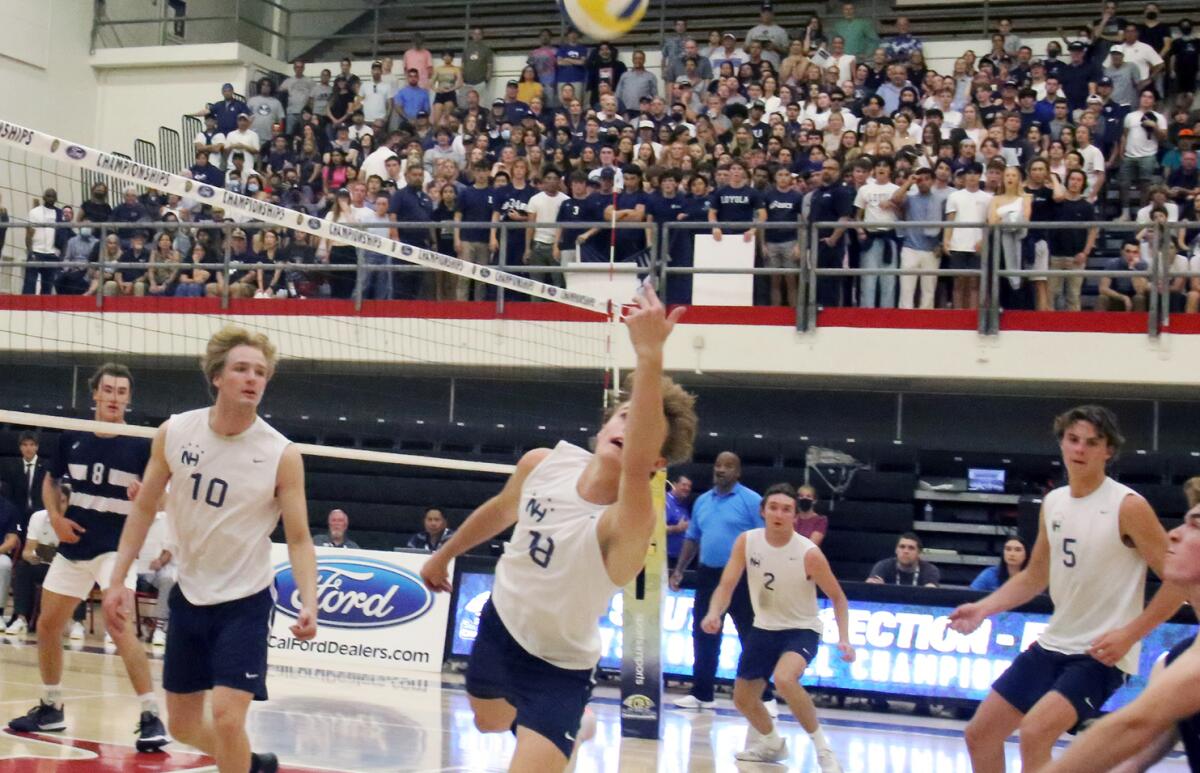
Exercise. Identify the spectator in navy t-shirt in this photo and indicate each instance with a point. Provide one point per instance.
(630, 206)
(781, 246)
(572, 64)
(227, 110)
(205, 173)
(574, 210)
(475, 205)
(737, 202)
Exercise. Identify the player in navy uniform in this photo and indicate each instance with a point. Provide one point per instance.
(784, 570)
(1168, 710)
(583, 523)
(232, 475)
(1095, 539)
(781, 246)
(103, 472)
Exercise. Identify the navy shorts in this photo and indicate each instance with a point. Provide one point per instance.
(764, 648)
(218, 645)
(1081, 679)
(549, 700)
(963, 261)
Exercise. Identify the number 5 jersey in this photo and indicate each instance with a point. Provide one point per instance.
(1097, 582)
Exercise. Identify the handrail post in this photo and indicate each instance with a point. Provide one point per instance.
(502, 261)
(100, 275)
(985, 259)
(359, 260)
(811, 307)
(1159, 305)
(663, 247)
(227, 283)
(993, 327)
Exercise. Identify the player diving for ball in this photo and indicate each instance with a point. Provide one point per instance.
(784, 571)
(583, 523)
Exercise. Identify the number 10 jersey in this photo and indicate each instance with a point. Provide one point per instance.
(551, 584)
(222, 507)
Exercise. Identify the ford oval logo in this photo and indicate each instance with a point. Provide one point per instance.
(357, 593)
(76, 152)
(205, 192)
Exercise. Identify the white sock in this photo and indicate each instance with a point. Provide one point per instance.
(52, 694)
(149, 703)
(820, 742)
(772, 737)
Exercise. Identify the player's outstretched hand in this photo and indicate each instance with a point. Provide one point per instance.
(118, 600)
(846, 651)
(649, 323)
(305, 626)
(1112, 646)
(711, 623)
(67, 530)
(435, 575)
(132, 491)
(966, 618)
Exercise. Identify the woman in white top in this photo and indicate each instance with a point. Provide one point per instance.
(971, 124)
(1011, 205)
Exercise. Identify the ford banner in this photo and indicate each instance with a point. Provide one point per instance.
(373, 611)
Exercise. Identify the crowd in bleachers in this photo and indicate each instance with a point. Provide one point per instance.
(841, 121)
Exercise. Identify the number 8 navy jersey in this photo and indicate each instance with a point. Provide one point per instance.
(99, 471)
(551, 584)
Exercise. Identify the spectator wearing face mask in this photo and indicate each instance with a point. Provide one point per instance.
(809, 523)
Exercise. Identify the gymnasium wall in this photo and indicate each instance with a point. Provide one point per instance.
(334, 405)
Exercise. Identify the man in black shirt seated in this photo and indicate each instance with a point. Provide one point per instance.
(907, 568)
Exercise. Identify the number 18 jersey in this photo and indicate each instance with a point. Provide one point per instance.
(551, 585)
(221, 506)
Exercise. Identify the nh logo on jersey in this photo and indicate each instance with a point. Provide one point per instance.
(754, 561)
(190, 455)
(535, 510)
(1055, 525)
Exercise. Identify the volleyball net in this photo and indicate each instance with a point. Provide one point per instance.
(568, 334)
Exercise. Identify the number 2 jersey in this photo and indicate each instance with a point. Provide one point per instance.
(551, 585)
(1097, 582)
(783, 595)
(221, 506)
(99, 471)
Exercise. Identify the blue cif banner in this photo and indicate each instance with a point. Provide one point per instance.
(357, 593)
(903, 649)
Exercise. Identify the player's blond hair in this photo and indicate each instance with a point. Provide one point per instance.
(679, 407)
(1191, 490)
(225, 340)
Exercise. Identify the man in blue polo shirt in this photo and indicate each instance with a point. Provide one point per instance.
(718, 517)
(227, 110)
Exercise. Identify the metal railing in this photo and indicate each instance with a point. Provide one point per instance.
(656, 259)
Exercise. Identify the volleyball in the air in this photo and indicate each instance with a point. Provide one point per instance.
(604, 19)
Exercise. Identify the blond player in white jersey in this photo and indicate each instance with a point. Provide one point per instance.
(1095, 539)
(583, 523)
(231, 475)
(783, 571)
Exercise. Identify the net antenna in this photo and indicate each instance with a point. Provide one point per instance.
(836, 469)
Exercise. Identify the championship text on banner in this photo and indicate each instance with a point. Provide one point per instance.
(373, 611)
(83, 157)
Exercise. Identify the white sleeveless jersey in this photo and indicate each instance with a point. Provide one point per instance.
(221, 506)
(551, 586)
(1097, 582)
(783, 595)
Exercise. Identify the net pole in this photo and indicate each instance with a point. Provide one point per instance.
(641, 631)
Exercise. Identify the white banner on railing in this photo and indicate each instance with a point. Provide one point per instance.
(82, 157)
(373, 612)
